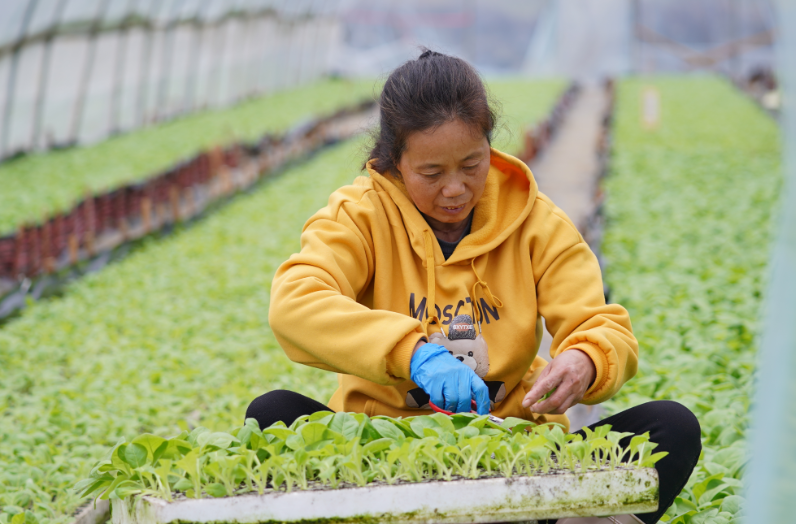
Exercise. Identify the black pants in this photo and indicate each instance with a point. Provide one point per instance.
(671, 425)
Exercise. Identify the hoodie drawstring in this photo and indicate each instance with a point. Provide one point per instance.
(493, 300)
(430, 267)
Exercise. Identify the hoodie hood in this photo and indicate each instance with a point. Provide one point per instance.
(508, 198)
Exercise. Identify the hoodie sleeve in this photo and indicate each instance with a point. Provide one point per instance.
(314, 312)
(571, 299)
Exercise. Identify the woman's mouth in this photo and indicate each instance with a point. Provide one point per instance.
(453, 209)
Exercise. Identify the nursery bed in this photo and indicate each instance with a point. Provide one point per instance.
(621, 491)
(38, 186)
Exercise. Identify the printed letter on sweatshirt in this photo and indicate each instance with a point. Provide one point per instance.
(486, 310)
(421, 308)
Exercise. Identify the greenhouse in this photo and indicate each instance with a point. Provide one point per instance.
(425, 262)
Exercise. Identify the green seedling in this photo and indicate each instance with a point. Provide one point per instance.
(548, 394)
(313, 452)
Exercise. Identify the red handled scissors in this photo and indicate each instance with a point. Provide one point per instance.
(474, 406)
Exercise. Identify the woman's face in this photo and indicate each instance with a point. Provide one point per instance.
(444, 170)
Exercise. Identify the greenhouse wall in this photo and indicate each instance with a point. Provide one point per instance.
(771, 482)
(76, 71)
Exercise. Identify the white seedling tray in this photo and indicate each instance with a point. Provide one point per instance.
(597, 493)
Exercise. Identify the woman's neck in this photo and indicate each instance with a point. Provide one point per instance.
(448, 232)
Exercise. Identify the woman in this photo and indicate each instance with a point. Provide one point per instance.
(442, 227)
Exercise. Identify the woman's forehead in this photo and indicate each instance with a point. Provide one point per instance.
(451, 141)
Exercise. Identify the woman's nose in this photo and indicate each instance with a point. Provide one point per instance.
(453, 189)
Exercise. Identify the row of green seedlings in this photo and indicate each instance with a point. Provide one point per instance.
(335, 450)
(102, 222)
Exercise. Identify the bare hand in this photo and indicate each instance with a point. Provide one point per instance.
(571, 373)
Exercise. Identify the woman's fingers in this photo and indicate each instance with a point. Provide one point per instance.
(536, 391)
(568, 393)
(552, 403)
(565, 405)
(568, 390)
(570, 373)
(547, 381)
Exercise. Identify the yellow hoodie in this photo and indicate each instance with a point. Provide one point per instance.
(371, 281)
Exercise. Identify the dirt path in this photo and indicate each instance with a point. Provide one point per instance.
(568, 173)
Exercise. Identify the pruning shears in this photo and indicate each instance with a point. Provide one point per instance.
(473, 405)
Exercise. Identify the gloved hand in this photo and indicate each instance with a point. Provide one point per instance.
(450, 384)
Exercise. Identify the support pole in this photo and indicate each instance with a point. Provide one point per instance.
(217, 70)
(12, 77)
(271, 36)
(118, 72)
(88, 67)
(44, 73)
(168, 54)
(192, 74)
(143, 71)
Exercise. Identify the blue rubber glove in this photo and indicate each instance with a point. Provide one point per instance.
(450, 384)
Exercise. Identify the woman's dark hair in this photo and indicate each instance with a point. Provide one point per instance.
(426, 93)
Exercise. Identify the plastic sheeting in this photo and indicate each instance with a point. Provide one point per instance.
(771, 477)
(577, 38)
(75, 71)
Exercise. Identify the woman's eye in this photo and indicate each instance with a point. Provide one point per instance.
(471, 167)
